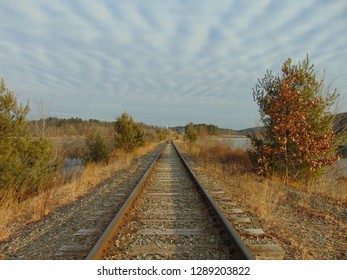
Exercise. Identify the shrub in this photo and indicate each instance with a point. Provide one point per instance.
(191, 132)
(99, 149)
(128, 134)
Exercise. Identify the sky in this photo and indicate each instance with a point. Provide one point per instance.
(166, 63)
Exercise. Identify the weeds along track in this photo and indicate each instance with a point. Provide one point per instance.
(169, 215)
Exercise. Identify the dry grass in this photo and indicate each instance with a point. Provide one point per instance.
(14, 215)
(235, 162)
(234, 166)
(332, 184)
(309, 220)
(221, 156)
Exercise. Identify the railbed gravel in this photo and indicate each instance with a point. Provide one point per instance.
(189, 208)
(43, 239)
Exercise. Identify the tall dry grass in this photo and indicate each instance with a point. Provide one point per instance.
(235, 161)
(234, 168)
(331, 184)
(219, 155)
(57, 192)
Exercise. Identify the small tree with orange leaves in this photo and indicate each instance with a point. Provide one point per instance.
(299, 139)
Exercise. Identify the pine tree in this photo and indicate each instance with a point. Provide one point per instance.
(128, 134)
(99, 150)
(24, 160)
(299, 138)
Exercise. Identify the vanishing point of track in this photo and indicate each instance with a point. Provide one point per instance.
(169, 215)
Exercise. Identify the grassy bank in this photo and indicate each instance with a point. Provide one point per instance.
(61, 191)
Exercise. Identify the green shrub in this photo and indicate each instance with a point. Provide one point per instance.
(98, 148)
(128, 134)
(191, 132)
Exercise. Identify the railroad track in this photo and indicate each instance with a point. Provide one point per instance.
(169, 215)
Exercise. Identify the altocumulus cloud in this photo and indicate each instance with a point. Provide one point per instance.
(165, 62)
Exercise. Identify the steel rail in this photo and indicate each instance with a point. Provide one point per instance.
(234, 237)
(112, 229)
(241, 250)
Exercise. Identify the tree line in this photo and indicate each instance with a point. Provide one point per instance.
(193, 131)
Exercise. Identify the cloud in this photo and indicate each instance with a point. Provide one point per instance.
(163, 61)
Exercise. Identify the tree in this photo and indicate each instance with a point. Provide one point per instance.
(161, 133)
(191, 132)
(40, 125)
(299, 138)
(98, 147)
(128, 134)
(24, 160)
(212, 129)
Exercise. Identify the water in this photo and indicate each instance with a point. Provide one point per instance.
(236, 142)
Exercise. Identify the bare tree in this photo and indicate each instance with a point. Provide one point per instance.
(43, 112)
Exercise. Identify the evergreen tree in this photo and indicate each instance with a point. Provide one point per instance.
(128, 134)
(24, 160)
(99, 149)
(299, 138)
